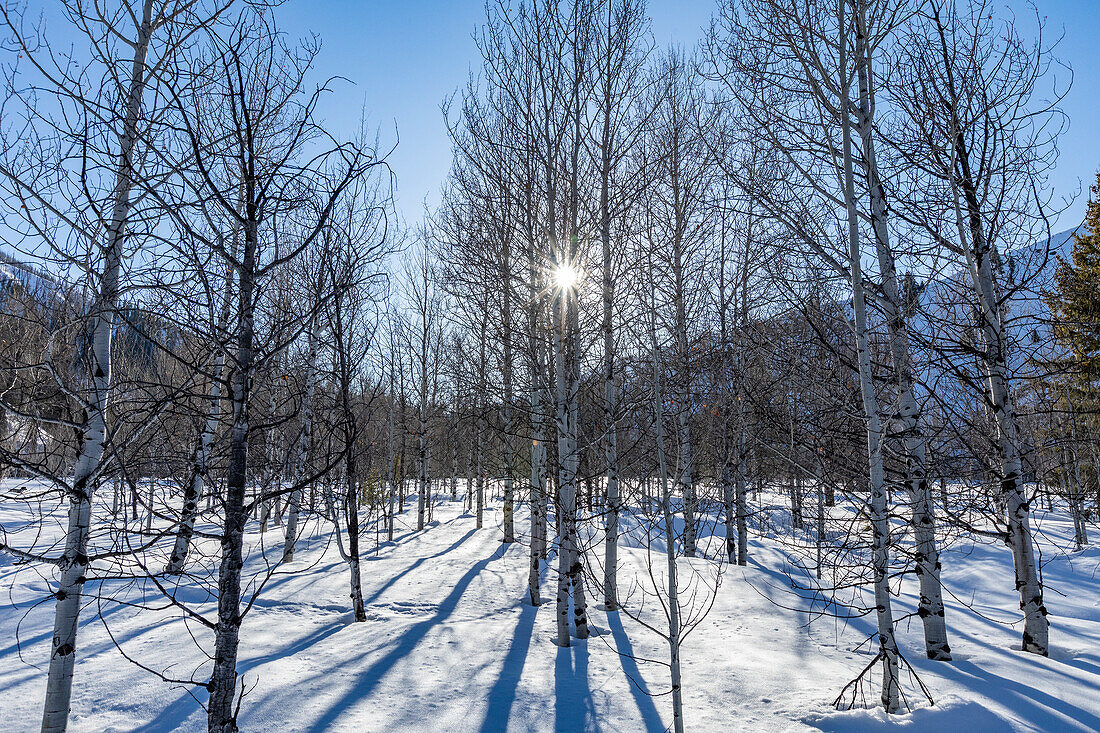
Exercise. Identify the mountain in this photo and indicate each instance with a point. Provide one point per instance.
(17, 277)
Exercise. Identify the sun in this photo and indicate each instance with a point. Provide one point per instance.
(566, 277)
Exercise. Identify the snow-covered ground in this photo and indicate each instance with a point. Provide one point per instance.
(449, 645)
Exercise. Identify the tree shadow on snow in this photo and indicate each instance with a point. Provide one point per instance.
(408, 641)
(1038, 708)
(503, 694)
(573, 706)
(174, 715)
(420, 561)
(638, 687)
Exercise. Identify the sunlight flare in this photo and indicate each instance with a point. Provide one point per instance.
(566, 277)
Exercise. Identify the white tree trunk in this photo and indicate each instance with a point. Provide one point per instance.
(301, 454)
(538, 507)
(673, 607)
(74, 560)
(199, 466)
(888, 653)
(610, 394)
(538, 431)
(995, 363)
(930, 609)
(569, 562)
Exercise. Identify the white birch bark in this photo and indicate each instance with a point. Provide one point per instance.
(538, 509)
(301, 453)
(878, 510)
(908, 417)
(998, 384)
(610, 396)
(569, 562)
(199, 468)
(673, 607)
(538, 439)
(74, 560)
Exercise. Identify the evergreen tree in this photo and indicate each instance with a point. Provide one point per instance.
(1075, 301)
(1075, 316)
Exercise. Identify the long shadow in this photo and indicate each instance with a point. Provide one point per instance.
(174, 715)
(503, 695)
(573, 706)
(1040, 708)
(368, 556)
(317, 574)
(1054, 666)
(1081, 664)
(21, 644)
(816, 600)
(291, 574)
(370, 677)
(389, 583)
(638, 687)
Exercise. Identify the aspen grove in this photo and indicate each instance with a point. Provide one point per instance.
(744, 382)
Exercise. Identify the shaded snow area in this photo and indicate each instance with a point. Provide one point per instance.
(449, 644)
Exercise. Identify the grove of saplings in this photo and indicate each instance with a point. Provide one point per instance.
(796, 260)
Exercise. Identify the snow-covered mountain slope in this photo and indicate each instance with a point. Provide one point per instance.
(17, 274)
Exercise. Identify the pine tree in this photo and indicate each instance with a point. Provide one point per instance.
(1075, 301)
(1075, 314)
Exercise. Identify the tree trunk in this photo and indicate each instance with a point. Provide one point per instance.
(670, 544)
(994, 362)
(351, 510)
(888, 652)
(192, 493)
(74, 560)
(302, 452)
(506, 409)
(221, 714)
(422, 479)
(391, 468)
(569, 562)
(914, 449)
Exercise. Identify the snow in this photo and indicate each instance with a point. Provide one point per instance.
(450, 645)
(43, 287)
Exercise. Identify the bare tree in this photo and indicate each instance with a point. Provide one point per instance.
(968, 86)
(95, 152)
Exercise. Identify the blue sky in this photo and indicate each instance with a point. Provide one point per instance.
(404, 57)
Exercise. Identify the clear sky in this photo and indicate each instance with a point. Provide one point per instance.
(403, 57)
